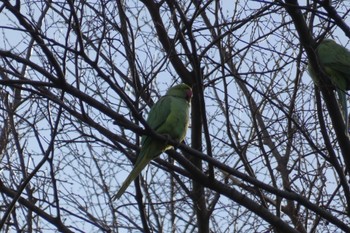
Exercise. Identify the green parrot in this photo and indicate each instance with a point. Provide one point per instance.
(170, 117)
(335, 60)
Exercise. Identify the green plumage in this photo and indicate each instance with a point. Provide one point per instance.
(335, 60)
(170, 117)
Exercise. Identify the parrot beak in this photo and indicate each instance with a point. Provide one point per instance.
(189, 95)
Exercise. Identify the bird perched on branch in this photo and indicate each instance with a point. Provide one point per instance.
(169, 117)
(335, 60)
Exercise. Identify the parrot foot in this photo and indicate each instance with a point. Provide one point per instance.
(176, 145)
(168, 138)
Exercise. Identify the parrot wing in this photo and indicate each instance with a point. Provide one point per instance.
(158, 115)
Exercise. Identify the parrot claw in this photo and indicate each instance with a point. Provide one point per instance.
(168, 138)
(176, 146)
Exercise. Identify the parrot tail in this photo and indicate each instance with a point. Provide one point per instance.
(139, 166)
(342, 99)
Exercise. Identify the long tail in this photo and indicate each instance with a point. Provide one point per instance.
(140, 164)
(342, 99)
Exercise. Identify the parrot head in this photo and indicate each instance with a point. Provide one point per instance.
(182, 90)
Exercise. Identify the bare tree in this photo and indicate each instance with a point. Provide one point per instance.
(265, 151)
